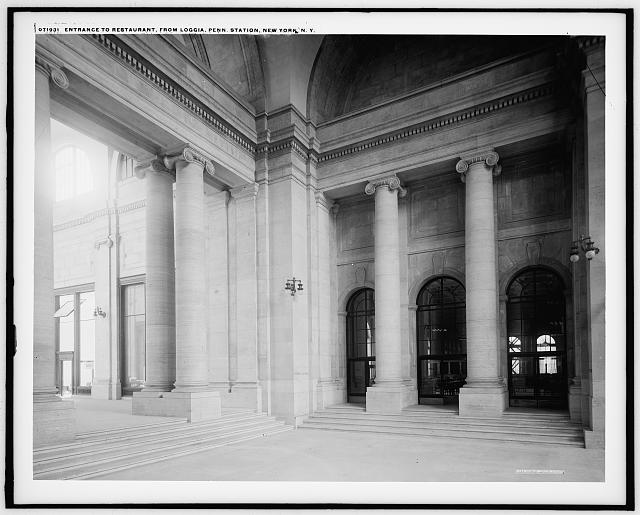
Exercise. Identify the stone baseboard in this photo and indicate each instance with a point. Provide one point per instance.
(53, 421)
(484, 401)
(194, 406)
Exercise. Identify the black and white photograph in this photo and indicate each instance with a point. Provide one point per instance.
(320, 258)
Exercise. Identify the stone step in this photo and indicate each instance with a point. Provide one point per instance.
(559, 417)
(92, 467)
(88, 451)
(133, 433)
(487, 426)
(135, 430)
(450, 432)
(452, 418)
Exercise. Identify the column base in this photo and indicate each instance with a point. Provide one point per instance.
(194, 406)
(482, 401)
(53, 421)
(239, 395)
(109, 391)
(330, 392)
(390, 398)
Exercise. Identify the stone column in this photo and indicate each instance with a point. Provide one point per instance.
(52, 418)
(484, 393)
(159, 286)
(191, 397)
(389, 394)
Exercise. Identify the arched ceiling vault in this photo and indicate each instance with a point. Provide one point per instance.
(233, 59)
(353, 72)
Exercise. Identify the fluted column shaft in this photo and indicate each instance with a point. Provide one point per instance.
(387, 277)
(160, 280)
(191, 301)
(44, 352)
(480, 266)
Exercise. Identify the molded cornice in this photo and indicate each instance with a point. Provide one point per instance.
(151, 73)
(444, 121)
(99, 213)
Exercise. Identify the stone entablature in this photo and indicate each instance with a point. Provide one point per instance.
(440, 122)
(172, 88)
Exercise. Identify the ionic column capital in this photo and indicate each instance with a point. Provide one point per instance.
(392, 182)
(488, 158)
(155, 165)
(189, 155)
(248, 191)
(53, 71)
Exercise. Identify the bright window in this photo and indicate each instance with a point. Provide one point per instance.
(73, 173)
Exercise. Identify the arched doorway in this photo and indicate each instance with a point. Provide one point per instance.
(442, 340)
(537, 350)
(361, 341)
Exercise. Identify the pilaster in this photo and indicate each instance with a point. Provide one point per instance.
(594, 114)
(106, 384)
(53, 419)
(244, 388)
(288, 257)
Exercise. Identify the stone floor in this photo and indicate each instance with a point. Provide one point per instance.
(317, 455)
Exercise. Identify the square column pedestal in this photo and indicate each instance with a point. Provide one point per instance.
(390, 398)
(194, 406)
(482, 401)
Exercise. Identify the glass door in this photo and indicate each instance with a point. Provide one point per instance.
(361, 360)
(537, 341)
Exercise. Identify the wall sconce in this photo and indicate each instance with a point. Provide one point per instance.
(97, 312)
(291, 285)
(586, 245)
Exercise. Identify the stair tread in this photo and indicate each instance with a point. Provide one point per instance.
(99, 468)
(460, 422)
(577, 442)
(85, 459)
(96, 448)
(451, 427)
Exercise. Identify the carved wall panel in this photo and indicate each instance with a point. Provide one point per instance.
(438, 262)
(552, 248)
(534, 188)
(436, 209)
(356, 226)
